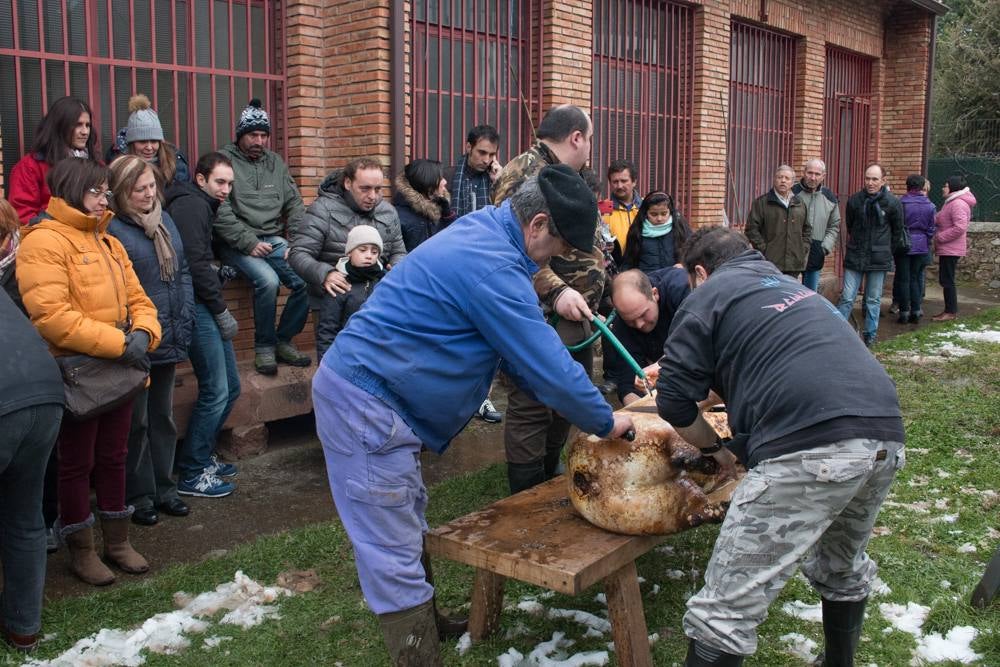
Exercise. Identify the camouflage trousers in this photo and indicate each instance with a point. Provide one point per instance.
(813, 508)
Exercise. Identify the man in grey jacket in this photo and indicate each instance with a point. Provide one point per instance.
(823, 215)
(347, 198)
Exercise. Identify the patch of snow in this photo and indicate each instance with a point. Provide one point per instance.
(546, 595)
(881, 531)
(532, 607)
(945, 583)
(941, 504)
(215, 640)
(512, 658)
(519, 630)
(945, 518)
(943, 474)
(908, 618)
(800, 646)
(653, 638)
(642, 580)
(918, 450)
(655, 590)
(552, 654)
(879, 587)
(956, 645)
(920, 507)
(987, 336)
(601, 598)
(675, 574)
(804, 611)
(464, 643)
(665, 549)
(583, 618)
(967, 548)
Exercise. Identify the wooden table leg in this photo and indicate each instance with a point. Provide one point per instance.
(628, 622)
(487, 603)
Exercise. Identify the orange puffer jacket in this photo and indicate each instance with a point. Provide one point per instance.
(78, 285)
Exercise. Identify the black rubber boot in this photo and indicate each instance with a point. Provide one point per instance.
(553, 463)
(449, 627)
(701, 654)
(523, 476)
(842, 622)
(411, 636)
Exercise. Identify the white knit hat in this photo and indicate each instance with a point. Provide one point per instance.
(143, 123)
(361, 235)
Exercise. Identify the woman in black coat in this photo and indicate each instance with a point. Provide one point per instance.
(422, 201)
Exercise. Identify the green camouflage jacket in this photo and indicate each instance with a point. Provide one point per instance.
(581, 271)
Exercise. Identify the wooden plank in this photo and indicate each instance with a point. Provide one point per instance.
(628, 621)
(536, 536)
(989, 585)
(487, 603)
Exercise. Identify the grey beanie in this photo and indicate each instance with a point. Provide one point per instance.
(143, 123)
(253, 119)
(361, 235)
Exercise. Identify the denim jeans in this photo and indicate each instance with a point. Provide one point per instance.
(266, 274)
(214, 363)
(811, 280)
(910, 272)
(28, 437)
(152, 442)
(873, 297)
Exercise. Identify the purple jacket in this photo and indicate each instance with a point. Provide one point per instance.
(953, 223)
(918, 216)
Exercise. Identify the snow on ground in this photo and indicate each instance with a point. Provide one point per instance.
(967, 548)
(947, 349)
(985, 336)
(215, 640)
(907, 618)
(956, 645)
(552, 653)
(675, 574)
(804, 611)
(800, 646)
(879, 587)
(945, 518)
(585, 618)
(464, 643)
(246, 602)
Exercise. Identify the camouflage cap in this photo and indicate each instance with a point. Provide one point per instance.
(572, 204)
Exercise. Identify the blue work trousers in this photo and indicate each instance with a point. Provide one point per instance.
(373, 464)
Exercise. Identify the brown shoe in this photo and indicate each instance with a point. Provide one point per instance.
(944, 317)
(117, 548)
(83, 560)
(22, 643)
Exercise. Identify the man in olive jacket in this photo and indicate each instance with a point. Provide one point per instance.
(874, 223)
(251, 226)
(778, 225)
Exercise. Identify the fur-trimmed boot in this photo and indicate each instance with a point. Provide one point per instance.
(83, 560)
(411, 636)
(117, 549)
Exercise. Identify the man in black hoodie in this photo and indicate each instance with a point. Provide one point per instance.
(818, 427)
(193, 207)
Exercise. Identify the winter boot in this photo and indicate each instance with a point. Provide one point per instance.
(411, 636)
(701, 654)
(904, 317)
(449, 627)
(523, 476)
(83, 560)
(117, 549)
(553, 463)
(842, 622)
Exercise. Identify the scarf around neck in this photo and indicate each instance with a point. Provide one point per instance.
(359, 274)
(651, 231)
(9, 252)
(152, 224)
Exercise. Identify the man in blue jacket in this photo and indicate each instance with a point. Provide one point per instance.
(414, 364)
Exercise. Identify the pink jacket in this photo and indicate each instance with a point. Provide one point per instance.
(952, 223)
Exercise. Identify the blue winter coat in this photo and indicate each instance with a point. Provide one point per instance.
(431, 337)
(174, 301)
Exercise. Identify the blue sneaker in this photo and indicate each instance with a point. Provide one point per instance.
(205, 485)
(221, 468)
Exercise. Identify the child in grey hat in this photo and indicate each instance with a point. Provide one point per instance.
(363, 269)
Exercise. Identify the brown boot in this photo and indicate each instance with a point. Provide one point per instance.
(411, 636)
(83, 560)
(117, 549)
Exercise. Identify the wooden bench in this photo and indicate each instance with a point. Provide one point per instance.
(537, 537)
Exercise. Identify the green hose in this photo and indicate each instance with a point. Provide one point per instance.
(602, 328)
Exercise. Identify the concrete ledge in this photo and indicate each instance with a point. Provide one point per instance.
(263, 399)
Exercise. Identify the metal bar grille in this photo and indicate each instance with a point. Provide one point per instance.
(761, 113)
(846, 128)
(185, 56)
(473, 62)
(642, 92)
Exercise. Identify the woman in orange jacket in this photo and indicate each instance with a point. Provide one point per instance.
(82, 295)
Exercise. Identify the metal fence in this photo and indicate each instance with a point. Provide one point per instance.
(761, 113)
(199, 61)
(642, 92)
(474, 62)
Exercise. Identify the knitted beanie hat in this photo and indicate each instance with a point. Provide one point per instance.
(143, 123)
(252, 119)
(361, 235)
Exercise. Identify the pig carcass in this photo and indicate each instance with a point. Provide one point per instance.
(657, 484)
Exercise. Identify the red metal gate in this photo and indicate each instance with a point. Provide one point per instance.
(642, 93)
(846, 128)
(761, 114)
(199, 61)
(474, 62)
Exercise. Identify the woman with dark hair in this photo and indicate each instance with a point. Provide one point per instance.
(65, 131)
(656, 236)
(952, 226)
(83, 296)
(143, 136)
(154, 245)
(918, 216)
(422, 201)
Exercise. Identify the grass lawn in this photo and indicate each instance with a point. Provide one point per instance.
(952, 412)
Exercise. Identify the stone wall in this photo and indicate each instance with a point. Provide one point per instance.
(981, 266)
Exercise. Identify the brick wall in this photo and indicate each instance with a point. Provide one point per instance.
(567, 53)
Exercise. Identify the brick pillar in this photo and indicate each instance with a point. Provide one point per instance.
(567, 57)
(306, 113)
(711, 109)
(904, 91)
(810, 84)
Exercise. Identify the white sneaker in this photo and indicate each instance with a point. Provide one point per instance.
(488, 413)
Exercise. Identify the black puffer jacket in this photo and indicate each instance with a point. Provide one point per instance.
(193, 211)
(419, 217)
(873, 235)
